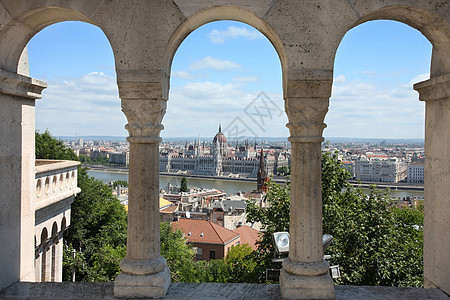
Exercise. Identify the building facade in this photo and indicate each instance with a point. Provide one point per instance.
(218, 160)
(386, 169)
(56, 188)
(416, 173)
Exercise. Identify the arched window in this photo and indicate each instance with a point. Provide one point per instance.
(54, 242)
(44, 236)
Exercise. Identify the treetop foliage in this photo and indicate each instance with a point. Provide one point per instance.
(48, 147)
(374, 242)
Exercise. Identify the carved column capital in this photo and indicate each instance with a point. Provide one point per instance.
(436, 88)
(306, 105)
(144, 107)
(306, 117)
(19, 85)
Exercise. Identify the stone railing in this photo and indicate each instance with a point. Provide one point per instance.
(55, 180)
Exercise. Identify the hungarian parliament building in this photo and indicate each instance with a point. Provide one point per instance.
(219, 159)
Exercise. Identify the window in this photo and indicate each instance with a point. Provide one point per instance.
(212, 254)
(199, 253)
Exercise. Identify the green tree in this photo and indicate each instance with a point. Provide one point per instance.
(85, 159)
(374, 243)
(184, 186)
(120, 182)
(283, 171)
(48, 147)
(241, 264)
(179, 255)
(98, 229)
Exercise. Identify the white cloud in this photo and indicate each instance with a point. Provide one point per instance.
(368, 73)
(182, 75)
(245, 79)
(210, 62)
(88, 105)
(197, 108)
(362, 109)
(340, 79)
(419, 78)
(218, 37)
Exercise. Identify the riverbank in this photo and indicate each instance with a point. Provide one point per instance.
(401, 186)
(124, 170)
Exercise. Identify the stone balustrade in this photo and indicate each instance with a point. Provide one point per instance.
(55, 180)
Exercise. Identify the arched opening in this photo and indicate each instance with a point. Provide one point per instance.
(376, 65)
(223, 72)
(77, 61)
(44, 248)
(427, 23)
(54, 242)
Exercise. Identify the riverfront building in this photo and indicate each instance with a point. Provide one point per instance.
(416, 173)
(377, 168)
(218, 159)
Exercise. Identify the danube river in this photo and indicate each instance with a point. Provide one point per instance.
(230, 187)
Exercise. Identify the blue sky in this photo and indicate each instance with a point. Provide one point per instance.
(224, 72)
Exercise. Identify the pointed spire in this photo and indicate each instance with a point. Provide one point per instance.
(261, 178)
(220, 127)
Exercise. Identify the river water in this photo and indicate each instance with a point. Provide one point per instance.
(230, 187)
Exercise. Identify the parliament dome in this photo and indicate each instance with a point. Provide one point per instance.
(220, 137)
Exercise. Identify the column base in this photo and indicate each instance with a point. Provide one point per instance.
(307, 285)
(142, 286)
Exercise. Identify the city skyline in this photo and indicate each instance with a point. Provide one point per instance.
(217, 77)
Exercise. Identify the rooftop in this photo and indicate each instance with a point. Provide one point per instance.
(203, 231)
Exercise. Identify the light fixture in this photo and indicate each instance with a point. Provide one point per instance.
(281, 241)
(326, 240)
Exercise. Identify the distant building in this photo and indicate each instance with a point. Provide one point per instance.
(218, 160)
(416, 173)
(120, 158)
(229, 213)
(210, 240)
(380, 168)
(350, 167)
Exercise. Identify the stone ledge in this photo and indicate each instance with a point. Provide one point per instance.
(178, 290)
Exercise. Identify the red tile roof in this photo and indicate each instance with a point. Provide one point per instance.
(249, 235)
(204, 231)
(169, 209)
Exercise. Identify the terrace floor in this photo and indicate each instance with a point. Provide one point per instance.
(104, 290)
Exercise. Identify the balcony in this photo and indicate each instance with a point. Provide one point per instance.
(55, 180)
(55, 190)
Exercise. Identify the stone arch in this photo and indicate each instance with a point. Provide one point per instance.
(54, 245)
(432, 25)
(17, 30)
(44, 236)
(63, 224)
(220, 13)
(431, 19)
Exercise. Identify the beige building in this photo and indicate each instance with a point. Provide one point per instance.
(144, 36)
(56, 188)
(380, 169)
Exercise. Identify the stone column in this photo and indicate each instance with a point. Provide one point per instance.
(436, 242)
(17, 127)
(144, 272)
(305, 273)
